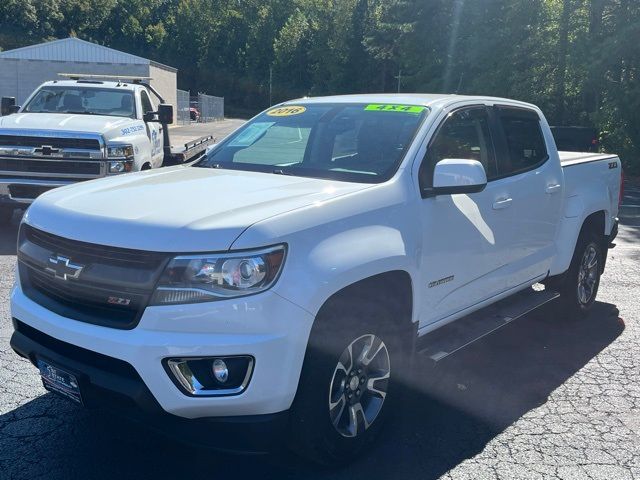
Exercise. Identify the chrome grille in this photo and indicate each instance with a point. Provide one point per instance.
(54, 142)
(52, 154)
(12, 166)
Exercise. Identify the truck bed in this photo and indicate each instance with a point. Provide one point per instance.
(589, 176)
(568, 159)
(190, 150)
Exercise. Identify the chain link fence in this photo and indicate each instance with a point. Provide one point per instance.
(183, 107)
(211, 108)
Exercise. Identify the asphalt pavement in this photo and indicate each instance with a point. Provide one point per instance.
(181, 134)
(542, 398)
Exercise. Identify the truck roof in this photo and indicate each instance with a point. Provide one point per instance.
(90, 84)
(426, 99)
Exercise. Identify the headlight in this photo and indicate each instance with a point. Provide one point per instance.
(120, 166)
(120, 151)
(204, 278)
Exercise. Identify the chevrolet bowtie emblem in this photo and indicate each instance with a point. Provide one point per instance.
(46, 150)
(62, 268)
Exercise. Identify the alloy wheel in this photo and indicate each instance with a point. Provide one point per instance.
(588, 275)
(359, 385)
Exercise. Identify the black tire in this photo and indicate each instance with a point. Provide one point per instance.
(6, 215)
(576, 299)
(312, 433)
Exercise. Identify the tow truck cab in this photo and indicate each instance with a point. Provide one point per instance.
(82, 128)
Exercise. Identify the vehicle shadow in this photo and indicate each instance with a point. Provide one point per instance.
(9, 235)
(450, 411)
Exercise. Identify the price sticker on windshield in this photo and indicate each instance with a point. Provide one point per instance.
(379, 107)
(286, 111)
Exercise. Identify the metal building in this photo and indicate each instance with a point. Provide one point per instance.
(24, 69)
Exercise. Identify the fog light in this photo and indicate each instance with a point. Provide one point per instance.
(210, 376)
(220, 370)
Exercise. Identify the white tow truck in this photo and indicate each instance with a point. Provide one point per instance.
(81, 128)
(280, 283)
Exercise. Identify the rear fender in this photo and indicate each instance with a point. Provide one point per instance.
(576, 213)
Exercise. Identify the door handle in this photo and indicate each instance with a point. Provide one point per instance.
(556, 187)
(502, 203)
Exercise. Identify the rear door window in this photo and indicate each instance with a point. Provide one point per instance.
(524, 142)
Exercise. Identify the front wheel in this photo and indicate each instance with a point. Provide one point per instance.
(346, 384)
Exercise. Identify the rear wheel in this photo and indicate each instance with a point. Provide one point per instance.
(6, 214)
(347, 382)
(578, 287)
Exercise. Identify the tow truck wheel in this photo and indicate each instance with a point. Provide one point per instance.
(347, 382)
(578, 286)
(6, 214)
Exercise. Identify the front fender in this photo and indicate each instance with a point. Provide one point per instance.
(136, 135)
(342, 260)
(369, 233)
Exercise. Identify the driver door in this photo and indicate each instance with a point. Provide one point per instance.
(464, 235)
(154, 131)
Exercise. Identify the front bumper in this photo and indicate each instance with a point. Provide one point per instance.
(9, 185)
(113, 384)
(271, 329)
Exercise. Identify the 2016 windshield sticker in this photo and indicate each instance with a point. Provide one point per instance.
(286, 111)
(379, 107)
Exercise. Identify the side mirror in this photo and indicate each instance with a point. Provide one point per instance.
(165, 113)
(453, 175)
(8, 106)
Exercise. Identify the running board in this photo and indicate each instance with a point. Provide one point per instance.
(461, 333)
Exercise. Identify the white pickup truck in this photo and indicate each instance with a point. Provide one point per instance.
(280, 283)
(79, 129)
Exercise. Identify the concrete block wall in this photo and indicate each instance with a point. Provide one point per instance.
(164, 79)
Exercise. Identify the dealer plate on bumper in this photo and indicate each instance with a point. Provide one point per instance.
(59, 381)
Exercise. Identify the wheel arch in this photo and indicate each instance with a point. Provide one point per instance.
(392, 290)
(596, 222)
(571, 231)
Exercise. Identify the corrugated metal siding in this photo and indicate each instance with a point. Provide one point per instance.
(18, 78)
(73, 50)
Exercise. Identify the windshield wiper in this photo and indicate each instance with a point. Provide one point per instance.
(280, 171)
(84, 112)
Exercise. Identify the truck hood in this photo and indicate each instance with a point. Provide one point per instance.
(178, 209)
(63, 122)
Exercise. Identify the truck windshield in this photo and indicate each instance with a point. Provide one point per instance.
(350, 142)
(88, 101)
